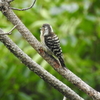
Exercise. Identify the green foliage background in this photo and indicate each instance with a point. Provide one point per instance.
(77, 23)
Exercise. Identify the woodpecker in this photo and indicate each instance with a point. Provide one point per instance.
(51, 43)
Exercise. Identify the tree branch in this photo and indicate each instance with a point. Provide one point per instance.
(8, 33)
(24, 8)
(38, 47)
(33, 66)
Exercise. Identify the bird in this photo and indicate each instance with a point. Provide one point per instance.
(51, 43)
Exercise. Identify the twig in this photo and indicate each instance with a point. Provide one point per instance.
(24, 8)
(8, 33)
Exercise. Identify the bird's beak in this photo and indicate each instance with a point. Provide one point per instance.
(41, 28)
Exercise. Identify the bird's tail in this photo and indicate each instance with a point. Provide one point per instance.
(62, 61)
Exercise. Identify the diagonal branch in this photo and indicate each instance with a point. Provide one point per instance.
(37, 46)
(33, 66)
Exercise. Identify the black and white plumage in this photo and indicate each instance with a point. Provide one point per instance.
(51, 42)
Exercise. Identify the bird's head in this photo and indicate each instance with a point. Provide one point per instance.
(46, 29)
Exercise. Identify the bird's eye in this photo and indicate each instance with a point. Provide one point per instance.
(43, 26)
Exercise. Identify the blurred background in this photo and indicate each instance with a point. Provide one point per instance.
(77, 24)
